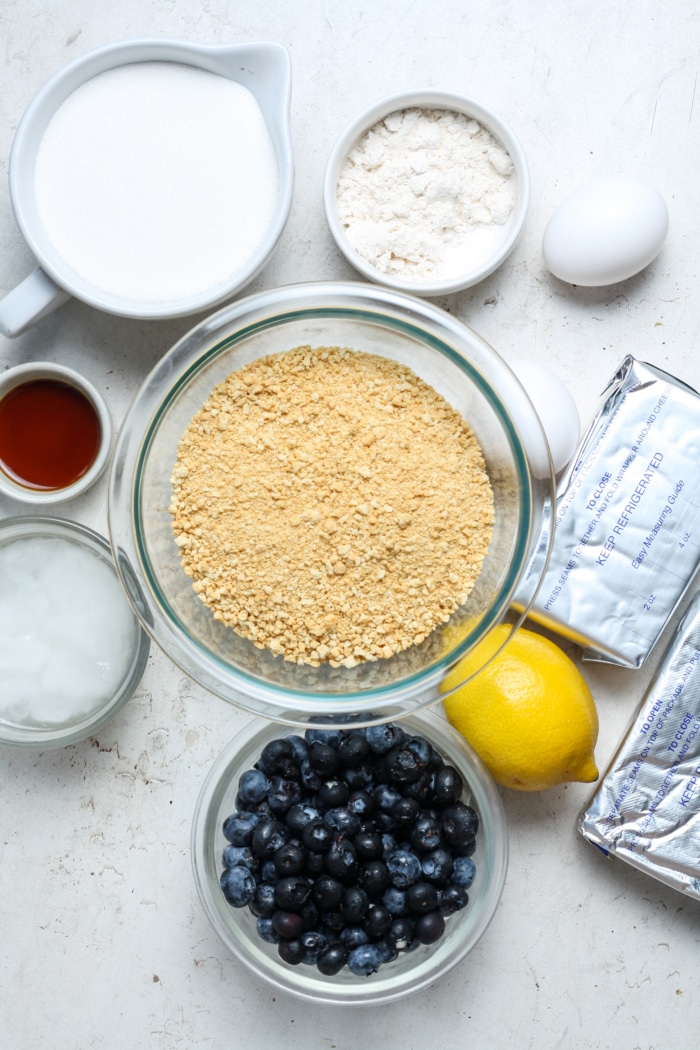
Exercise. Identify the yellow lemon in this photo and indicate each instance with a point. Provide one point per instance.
(529, 713)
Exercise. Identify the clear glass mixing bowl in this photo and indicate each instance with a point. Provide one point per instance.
(441, 350)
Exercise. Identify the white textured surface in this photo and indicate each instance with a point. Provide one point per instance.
(104, 944)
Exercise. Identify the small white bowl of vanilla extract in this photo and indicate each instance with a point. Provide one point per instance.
(55, 433)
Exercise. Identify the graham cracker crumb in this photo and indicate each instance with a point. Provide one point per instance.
(330, 506)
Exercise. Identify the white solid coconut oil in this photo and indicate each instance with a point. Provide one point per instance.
(67, 632)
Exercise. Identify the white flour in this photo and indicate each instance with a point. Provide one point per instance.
(425, 194)
(157, 181)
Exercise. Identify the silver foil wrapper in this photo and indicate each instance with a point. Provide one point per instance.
(627, 520)
(647, 808)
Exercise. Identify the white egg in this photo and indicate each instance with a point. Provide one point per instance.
(557, 412)
(605, 231)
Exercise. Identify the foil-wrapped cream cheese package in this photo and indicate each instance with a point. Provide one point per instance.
(647, 808)
(627, 520)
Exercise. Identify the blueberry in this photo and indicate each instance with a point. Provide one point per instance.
(459, 824)
(421, 897)
(377, 921)
(420, 789)
(311, 916)
(291, 951)
(282, 794)
(327, 892)
(323, 736)
(269, 872)
(292, 892)
(310, 779)
(334, 792)
(261, 808)
(359, 778)
(361, 804)
(394, 901)
(317, 836)
(263, 904)
(276, 755)
(313, 943)
(289, 859)
(332, 960)
(426, 835)
(341, 860)
(324, 759)
(354, 904)
(353, 936)
(253, 786)
(422, 749)
(437, 866)
(268, 836)
(429, 928)
(288, 924)
(382, 738)
(453, 898)
(333, 922)
(299, 815)
(315, 864)
(238, 886)
(342, 820)
(353, 749)
(242, 855)
(389, 845)
(374, 878)
(300, 750)
(463, 872)
(368, 845)
(402, 765)
(365, 960)
(386, 797)
(267, 931)
(387, 951)
(447, 786)
(239, 828)
(405, 811)
(436, 762)
(400, 934)
(384, 824)
(403, 867)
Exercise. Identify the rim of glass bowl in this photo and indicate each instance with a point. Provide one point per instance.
(385, 986)
(16, 735)
(196, 350)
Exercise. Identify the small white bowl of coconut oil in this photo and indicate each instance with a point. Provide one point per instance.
(71, 649)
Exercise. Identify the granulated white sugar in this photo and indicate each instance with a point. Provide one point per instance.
(67, 632)
(157, 181)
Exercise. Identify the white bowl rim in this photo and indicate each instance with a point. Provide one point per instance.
(427, 98)
(25, 373)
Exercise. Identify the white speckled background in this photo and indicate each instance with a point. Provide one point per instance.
(102, 940)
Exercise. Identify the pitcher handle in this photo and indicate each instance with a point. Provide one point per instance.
(32, 300)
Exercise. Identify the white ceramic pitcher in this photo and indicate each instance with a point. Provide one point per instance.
(264, 69)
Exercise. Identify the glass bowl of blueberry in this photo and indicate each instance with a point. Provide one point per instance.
(350, 866)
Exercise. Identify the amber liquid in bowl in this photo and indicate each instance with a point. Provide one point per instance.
(49, 434)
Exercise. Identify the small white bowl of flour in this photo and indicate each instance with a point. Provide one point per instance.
(427, 192)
